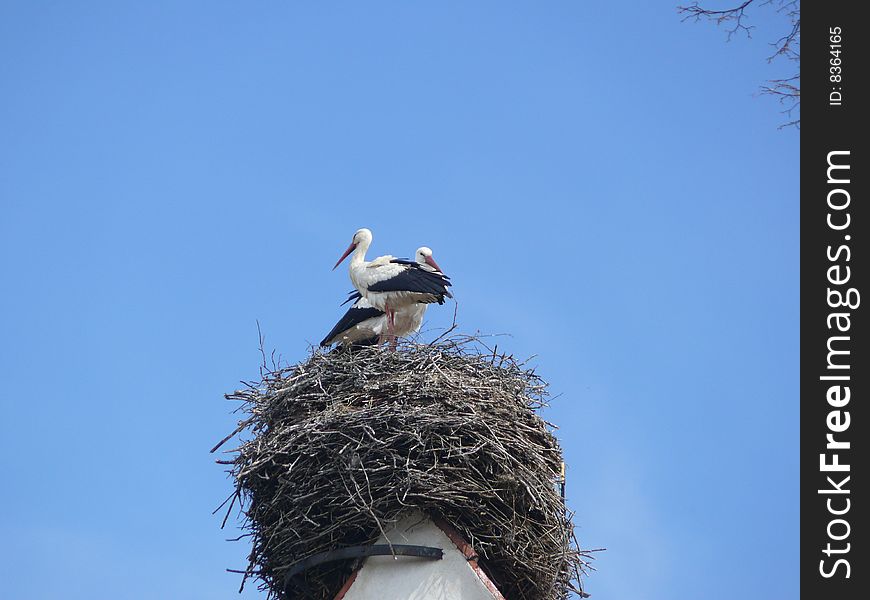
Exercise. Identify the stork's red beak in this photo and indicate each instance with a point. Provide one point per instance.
(350, 249)
(431, 262)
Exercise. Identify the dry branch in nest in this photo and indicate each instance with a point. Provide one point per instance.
(338, 446)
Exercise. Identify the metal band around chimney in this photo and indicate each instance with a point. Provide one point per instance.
(361, 551)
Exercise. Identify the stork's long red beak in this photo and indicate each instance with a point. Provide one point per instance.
(350, 249)
(431, 262)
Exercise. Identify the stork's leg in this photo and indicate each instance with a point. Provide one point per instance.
(385, 337)
(391, 326)
(394, 340)
(390, 323)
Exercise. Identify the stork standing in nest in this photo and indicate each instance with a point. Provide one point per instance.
(365, 325)
(390, 284)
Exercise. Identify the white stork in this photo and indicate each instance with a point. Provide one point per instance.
(363, 324)
(390, 284)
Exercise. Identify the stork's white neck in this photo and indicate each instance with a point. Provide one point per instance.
(359, 254)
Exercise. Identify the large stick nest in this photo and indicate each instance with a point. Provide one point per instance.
(338, 446)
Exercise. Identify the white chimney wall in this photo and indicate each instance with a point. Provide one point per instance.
(412, 578)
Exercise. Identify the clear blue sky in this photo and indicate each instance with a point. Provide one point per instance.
(598, 178)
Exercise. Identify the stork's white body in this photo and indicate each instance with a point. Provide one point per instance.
(365, 274)
(409, 319)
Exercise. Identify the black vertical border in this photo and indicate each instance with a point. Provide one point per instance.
(826, 128)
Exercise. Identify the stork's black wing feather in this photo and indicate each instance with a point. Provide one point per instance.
(416, 265)
(352, 297)
(353, 316)
(416, 279)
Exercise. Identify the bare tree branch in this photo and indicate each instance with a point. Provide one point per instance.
(735, 20)
(734, 17)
